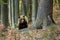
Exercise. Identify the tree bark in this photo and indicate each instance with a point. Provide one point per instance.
(0, 12)
(4, 13)
(58, 2)
(16, 11)
(13, 12)
(44, 15)
(34, 10)
(10, 12)
(26, 5)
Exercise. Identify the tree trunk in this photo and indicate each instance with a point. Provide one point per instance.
(34, 10)
(58, 2)
(16, 11)
(13, 12)
(44, 15)
(24, 11)
(10, 12)
(4, 13)
(0, 12)
(26, 5)
(30, 12)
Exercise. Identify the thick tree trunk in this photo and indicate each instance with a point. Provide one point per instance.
(44, 15)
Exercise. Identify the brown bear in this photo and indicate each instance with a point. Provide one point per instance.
(22, 22)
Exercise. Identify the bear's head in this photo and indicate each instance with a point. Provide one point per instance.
(22, 19)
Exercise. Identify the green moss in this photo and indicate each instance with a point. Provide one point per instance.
(52, 27)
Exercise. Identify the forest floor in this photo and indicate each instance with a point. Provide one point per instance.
(51, 33)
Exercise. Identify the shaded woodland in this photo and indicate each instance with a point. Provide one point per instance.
(43, 19)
